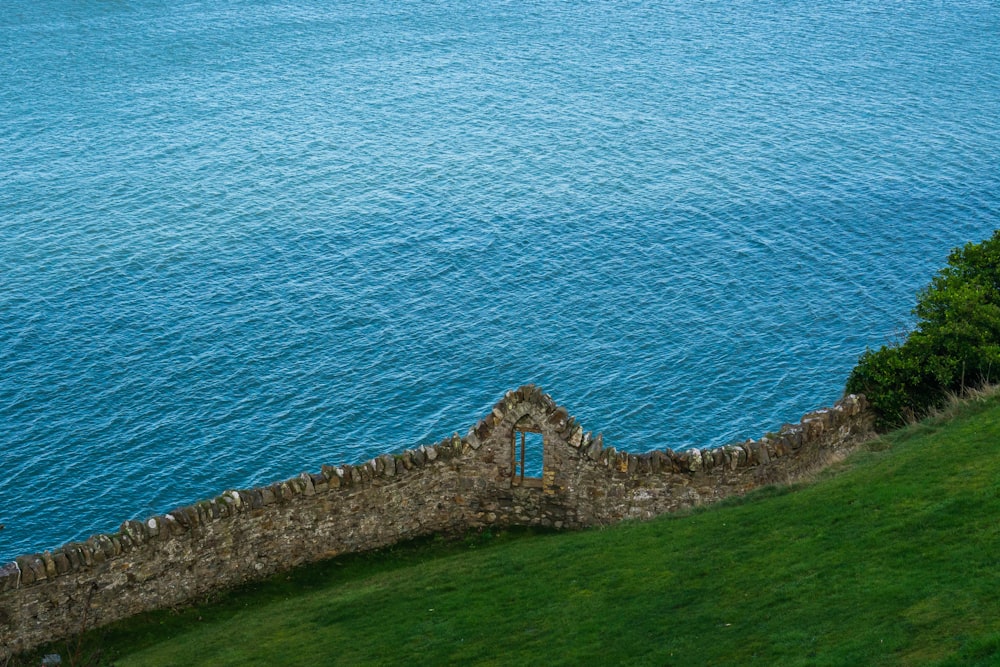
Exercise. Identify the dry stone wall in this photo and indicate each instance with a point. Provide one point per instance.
(458, 484)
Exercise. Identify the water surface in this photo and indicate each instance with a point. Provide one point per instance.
(243, 239)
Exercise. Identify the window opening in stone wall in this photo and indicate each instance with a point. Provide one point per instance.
(527, 454)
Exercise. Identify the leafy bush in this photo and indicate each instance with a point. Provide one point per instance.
(955, 345)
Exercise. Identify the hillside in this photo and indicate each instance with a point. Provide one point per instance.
(892, 558)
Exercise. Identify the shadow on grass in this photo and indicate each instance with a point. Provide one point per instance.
(153, 627)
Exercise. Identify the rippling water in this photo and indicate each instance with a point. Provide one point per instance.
(242, 239)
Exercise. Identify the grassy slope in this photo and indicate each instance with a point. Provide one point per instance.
(894, 560)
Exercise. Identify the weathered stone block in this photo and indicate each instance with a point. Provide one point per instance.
(103, 544)
(793, 438)
(37, 566)
(847, 405)
(27, 576)
(741, 453)
(97, 555)
(764, 451)
(123, 544)
(558, 417)
(74, 556)
(308, 488)
(812, 429)
(62, 561)
(284, 493)
(50, 564)
(472, 439)
(135, 530)
(353, 474)
(694, 459)
(179, 516)
(9, 576)
(86, 557)
(718, 456)
(681, 462)
(732, 454)
(565, 428)
(169, 528)
(609, 456)
(655, 462)
(244, 499)
(400, 468)
(446, 451)
(595, 449)
(198, 514)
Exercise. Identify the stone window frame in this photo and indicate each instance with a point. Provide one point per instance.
(523, 426)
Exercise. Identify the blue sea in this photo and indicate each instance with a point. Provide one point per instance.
(241, 239)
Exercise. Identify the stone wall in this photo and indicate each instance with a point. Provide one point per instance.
(458, 484)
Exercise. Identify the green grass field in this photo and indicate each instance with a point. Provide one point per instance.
(891, 558)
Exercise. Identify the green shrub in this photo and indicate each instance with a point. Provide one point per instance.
(955, 345)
